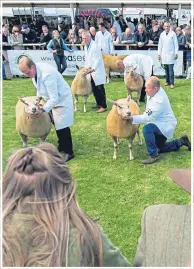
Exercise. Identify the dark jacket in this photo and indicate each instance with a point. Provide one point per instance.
(45, 38)
(30, 37)
(181, 41)
(58, 47)
(154, 36)
(141, 38)
(63, 35)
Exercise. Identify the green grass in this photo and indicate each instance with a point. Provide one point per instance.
(114, 191)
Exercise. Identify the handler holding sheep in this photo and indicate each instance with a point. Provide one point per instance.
(94, 63)
(142, 64)
(160, 122)
(56, 92)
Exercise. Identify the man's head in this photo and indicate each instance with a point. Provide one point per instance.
(45, 29)
(154, 26)
(120, 65)
(117, 18)
(92, 31)
(27, 67)
(140, 28)
(178, 30)
(80, 32)
(113, 31)
(101, 27)
(152, 85)
(25, 29)
(128, 31)
(55, 34)
(188, 29)
(166, 27)
(86, 37)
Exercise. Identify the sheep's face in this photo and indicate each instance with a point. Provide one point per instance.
(123, 109)
(31, 106)
(131, 71)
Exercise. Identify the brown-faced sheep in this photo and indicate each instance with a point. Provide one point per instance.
(120, 126)
(26, 124)
(81, 86)
(110, 64)
(133, 82)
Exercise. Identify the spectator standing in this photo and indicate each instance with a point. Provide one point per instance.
(130, 25)
(57, 47)
(154, 34)
(61, 31)
(117, 26)
(46, 36)
(29, 35)
(115, 37)
(168, 52)
(181, 38)
(16, 38)
(127, 37)
(141, 37)
(33, 26)
(104, 40)
(122, 23)
(6, 36)
(93, 33)
(73, 39)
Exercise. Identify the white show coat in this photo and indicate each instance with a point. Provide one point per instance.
(144, 64)
(168, 47)
(159, 112)
(57, 94)
(104, 42)
(94, 60)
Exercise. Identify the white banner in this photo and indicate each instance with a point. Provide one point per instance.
(77, 58)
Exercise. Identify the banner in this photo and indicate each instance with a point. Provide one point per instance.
(78, 58)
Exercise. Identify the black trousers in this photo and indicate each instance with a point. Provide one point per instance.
(99, 94)
(64, 138)
(143, 92)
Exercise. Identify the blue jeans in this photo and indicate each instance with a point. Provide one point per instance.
(156, 141)
(60, 61)
(3, 71)
(169, 71)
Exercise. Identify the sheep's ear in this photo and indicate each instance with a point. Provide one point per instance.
(39, 99)
(113, 102)
(23, 101)
(77, 67)
(128, 98)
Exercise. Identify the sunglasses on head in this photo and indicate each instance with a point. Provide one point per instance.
(16, 31)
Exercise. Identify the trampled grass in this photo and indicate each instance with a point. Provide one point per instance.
(116, 192)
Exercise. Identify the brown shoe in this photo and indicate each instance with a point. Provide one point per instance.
(101, 110)
(96, 106)
(172, 86)
(166, 84)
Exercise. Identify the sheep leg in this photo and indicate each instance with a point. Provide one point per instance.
(43, 138)
(130, 149)
(139, 138)
(76, 102)
(118, 141)
(129, 93)
(85, 102)
(24, 140)
(138, 97)
(107, 75)
(115, 141)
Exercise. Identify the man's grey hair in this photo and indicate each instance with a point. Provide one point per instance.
(86, 33)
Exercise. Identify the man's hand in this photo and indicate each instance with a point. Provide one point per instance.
(175, 56)
(131, 118)
(150, 42)
(124, 41)
(54, 51)
(159, 57)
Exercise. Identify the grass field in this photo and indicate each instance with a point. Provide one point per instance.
(114, 191)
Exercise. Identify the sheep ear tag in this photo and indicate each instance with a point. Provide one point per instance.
(128, 98)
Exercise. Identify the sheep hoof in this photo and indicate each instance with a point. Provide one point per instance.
(114, 157)
(108, 81)
(131, 158)
(75, 110)
(25, 145)
(140, 143)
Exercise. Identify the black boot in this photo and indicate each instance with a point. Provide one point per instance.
(185, 141)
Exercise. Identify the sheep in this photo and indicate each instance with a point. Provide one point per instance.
(133, 82)
(81, 86)
(110, 64)
(120, 126)
(26, 125)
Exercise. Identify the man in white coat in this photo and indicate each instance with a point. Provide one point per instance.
(143, 65)
(160, 123)
(52, 87)
(104, 40)
(94, 61)
(168, 53)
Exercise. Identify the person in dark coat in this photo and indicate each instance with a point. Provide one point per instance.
(141, 37)
(29, 35)
(46, 36)
(154, 35)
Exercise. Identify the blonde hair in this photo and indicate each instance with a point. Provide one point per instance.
(55, 32)
(38, 186)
